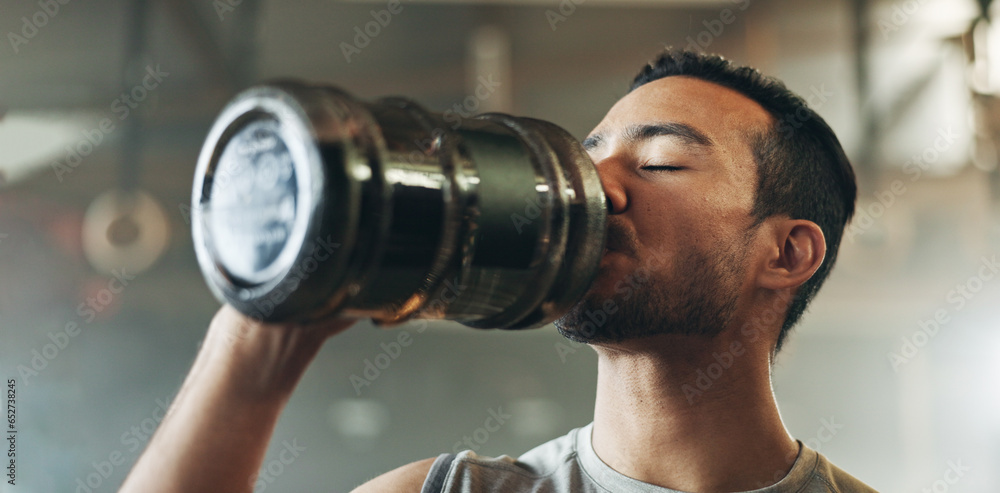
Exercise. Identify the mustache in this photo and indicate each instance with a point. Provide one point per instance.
(620, 238)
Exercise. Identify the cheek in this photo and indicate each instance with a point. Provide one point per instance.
(673, 208)
(666, 223)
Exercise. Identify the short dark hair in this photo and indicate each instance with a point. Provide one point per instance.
(802, 170)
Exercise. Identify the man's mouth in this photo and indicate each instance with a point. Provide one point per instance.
(612, 245)
(610, 253)
(619, 240)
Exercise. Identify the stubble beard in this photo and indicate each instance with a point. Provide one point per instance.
(695, 296)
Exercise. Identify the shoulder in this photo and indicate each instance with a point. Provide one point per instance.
(404, 479)
(550, 467)
(539, 465)
(838, 480)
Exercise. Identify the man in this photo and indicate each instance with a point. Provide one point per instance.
(728, 197)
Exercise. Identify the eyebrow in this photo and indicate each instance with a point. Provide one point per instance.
(637, 133)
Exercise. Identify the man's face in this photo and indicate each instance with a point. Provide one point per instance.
(675, 161)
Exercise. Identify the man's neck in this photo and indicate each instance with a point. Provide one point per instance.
(691, 414)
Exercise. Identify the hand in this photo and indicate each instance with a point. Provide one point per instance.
(236, 326)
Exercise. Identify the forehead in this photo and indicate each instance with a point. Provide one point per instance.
(723, 114)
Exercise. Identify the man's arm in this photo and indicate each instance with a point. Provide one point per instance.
(216, 432)
(405, 479)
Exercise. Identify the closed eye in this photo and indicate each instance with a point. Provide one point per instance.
(662, 167)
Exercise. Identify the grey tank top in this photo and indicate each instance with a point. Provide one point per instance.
(569, 464)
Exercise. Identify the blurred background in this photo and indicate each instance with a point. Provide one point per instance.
(893, 374)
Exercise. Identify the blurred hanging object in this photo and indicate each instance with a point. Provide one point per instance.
(126, 228)
(982, 47)
(489, 73)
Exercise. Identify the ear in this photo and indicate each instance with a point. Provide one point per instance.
(796, 251)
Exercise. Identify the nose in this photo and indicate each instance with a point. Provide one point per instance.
(616, 199)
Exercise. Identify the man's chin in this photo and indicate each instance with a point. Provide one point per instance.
(590, 319)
